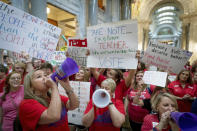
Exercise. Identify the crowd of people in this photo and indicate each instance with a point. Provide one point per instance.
(30, 99)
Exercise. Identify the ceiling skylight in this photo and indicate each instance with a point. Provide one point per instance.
(166, 14)
(165, 18)
(166, 22)
(166, 8)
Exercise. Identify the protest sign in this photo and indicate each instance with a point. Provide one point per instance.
(58, 57)
(82, 90)
(113, 45)
(20, 31)
(172, 78)
(155, 78)
(77, 50)
(166, 57)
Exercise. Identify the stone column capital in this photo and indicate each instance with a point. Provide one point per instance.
(144, 23)
(188, 18)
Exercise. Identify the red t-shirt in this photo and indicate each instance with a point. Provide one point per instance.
(195, 90)
(151, 121)
(121, 88)
(2, 84)
(102, 120)
(136, 112)
(30, 111)
(176, 89)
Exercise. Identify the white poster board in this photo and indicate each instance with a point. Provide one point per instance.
(58, 57)
(155, 78)
(21, 31)
(166, 57)
(77, 50)
(113, 45)
(82, 90)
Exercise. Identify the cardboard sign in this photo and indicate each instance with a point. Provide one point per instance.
(155, 78)
(82, 90)
(113, 45)
(166, 57)
(20, 31)
(77, 50)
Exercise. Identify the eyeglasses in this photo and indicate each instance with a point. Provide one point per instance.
(15, 78)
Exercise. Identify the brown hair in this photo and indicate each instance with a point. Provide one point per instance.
(118, 75)
(7, 85)
(189, 79)
(135, 83)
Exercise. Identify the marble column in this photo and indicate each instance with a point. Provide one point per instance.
(20, 4)
(38, 9)
(126, 9)
(82, 18)
(192, 36)
(108, 11)
(143, 33)
(93, 12)
(115, 10)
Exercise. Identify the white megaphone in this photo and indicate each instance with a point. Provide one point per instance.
(101, 98)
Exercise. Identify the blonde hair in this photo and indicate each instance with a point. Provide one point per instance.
(28, 92)
(156, 99)
(21, 64)
(111, 83)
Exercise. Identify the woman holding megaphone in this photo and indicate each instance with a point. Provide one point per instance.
(44, 110)
(163, 104)
(98, 117)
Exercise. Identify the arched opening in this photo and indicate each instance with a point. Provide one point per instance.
(166, 25)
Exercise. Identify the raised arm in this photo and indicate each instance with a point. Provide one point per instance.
(130, 78)
(95, 73)
(53, 113)
(1, 56)
(73, 102)
(88, 118)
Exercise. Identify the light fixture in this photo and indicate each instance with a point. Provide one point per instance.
(165, 8)
(165, 18)
(166, 22)
(48, 10)
(166, 14)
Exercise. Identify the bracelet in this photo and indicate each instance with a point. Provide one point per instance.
(69, 92)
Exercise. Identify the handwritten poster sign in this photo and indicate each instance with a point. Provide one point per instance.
(155, 78)
(166, 57)
(77, 50)
(58, 57)
(20, 31)
(113, 45)
(82, 90)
